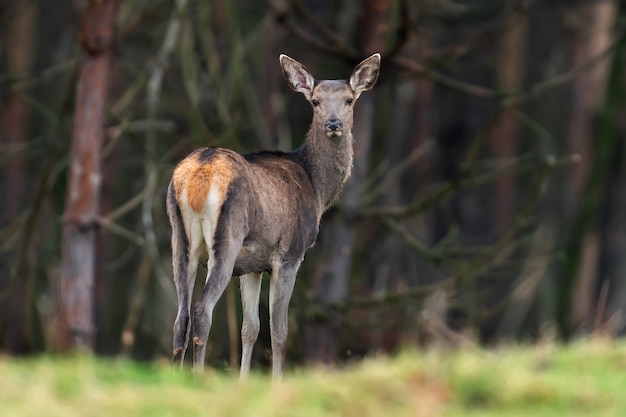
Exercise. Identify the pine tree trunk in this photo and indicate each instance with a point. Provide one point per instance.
(503, 141)
(594, 37)
(76, 286)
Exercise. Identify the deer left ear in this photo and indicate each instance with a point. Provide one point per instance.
(365, 75)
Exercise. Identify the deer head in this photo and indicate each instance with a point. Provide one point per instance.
(332, 100)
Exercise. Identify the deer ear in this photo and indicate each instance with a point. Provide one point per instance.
(299, 78)
(365, 75)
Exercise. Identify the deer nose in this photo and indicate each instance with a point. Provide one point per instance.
(333, 124)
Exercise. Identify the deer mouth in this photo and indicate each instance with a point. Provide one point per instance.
(334, 133)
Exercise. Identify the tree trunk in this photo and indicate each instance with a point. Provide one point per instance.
(13, 131)
(503, 144)
(581, 270)
(78, 247)
(503, 141)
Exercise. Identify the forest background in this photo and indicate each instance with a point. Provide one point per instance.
(486, 204)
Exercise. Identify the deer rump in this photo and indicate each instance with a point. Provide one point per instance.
(263, 200)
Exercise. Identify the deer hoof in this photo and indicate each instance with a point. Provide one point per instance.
(177, 352)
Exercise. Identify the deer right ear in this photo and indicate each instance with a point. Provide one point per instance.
(299, 78)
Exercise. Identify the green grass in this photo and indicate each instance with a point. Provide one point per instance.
(583, 379)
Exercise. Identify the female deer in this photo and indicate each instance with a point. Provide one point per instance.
(258, 213)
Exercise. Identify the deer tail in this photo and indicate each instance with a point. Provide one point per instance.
(180, 242)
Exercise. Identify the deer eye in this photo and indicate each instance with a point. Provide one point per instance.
(349, 101)
(315, 103)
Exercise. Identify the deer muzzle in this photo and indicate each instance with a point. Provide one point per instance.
(333, 127)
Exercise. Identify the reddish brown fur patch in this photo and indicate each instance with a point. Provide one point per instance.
(195, 178)
(198, 186)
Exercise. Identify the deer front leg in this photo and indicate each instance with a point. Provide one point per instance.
(250, 290)
(281, 288)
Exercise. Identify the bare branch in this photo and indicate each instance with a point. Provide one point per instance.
(536, 90)
(377, 186)
(281, 16)
(151, 259)
(403, 31)
(115, 228)
(476, 266)
(438, 192)
(420, 70)
(471, 41)
(327, 34)
(411, 240)
(333, 45)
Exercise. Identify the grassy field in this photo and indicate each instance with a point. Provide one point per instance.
(583, 379)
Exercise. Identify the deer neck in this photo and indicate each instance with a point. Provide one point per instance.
(328, 161)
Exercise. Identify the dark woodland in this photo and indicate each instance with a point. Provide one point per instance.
(487, 203)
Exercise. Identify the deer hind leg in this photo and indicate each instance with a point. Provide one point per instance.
(185, 264)
(184, 280)
(250, 290)
(281, 288)
(222, 256)
(182, 323)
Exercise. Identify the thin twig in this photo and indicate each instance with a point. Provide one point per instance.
(439, 192)
(421, 70)
(479, 264)
(412, 241)
(126, 207)
(120, 231)
(403, 31)
(470, 42)
(374, 190)
(25, 83)
(151, 251)
(536, 90)
(330, 37)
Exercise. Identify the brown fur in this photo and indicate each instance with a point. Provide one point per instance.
(265, 215)
(194, 178)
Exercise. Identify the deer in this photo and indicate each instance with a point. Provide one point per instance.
(259, 212)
